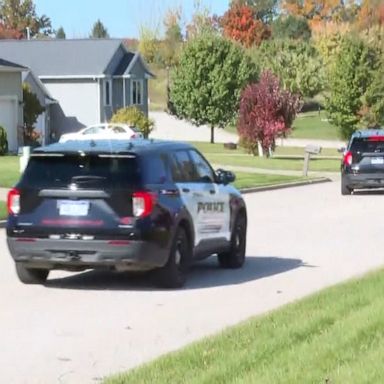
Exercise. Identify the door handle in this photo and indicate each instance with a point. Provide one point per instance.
(212, 191)
(186, 190)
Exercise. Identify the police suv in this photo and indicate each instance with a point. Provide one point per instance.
(140, 205)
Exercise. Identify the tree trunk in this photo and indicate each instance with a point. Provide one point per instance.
(212, 134)
(260, 149)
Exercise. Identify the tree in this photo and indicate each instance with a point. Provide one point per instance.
(7, 33)
(372, 111)
(171, 45)
(266, 112)
(297, 64)
(31, 109)
(99, 31)
(134, 116)
(203, 23)
(20, 15)
(239, 24)
(351, 77)
(265, 10)
(291, 27)
(206, 85)
(315, 10)
(370, 14)
(148, 44)
(60, 33)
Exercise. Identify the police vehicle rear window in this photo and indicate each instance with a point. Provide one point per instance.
(87, 172)
(371, 144)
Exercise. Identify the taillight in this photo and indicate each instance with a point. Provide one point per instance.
(13, 201)
(143, 203)
(348, 158)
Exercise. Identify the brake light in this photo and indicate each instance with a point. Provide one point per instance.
(376, 138)
(143, 203)
(13, 201)
(348, 158)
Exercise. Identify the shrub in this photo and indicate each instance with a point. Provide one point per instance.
(3, 141)
(266, 112)
(134, 117)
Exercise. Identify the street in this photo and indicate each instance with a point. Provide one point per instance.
(81, 327)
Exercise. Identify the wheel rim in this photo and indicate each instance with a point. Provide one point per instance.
(239, 241)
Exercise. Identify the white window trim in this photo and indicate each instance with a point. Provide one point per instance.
(107, 83)
(141, 85)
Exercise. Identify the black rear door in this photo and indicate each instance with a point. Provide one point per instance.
(85, 194)
(368, 154)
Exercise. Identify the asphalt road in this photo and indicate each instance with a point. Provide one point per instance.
(83, 326)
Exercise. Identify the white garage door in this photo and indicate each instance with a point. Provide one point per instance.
(8, 120)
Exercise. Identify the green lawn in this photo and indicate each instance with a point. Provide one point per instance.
(247, 180)
(311, 125)
(9, 170)
(333, 337)
(3, 210)
(292, 164)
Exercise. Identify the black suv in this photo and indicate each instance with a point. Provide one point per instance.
(363, 162)
(142, 205)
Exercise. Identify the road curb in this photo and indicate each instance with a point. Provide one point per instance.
(285, 185)
(3, 223)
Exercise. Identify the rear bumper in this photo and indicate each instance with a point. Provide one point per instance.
(364, 180)
(81, 254)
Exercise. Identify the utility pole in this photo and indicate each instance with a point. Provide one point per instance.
(28, 33)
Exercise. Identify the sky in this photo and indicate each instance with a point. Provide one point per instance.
(122, 18)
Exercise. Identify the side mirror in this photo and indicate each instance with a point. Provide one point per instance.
(225, 177)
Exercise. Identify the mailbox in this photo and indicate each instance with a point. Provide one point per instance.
(313, 149)
(309, 150)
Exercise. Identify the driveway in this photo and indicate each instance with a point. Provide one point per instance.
(83, 326)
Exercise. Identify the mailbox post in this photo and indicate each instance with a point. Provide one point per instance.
(309, 150)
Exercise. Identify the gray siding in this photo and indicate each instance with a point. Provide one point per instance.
(138, 72)
(11, 86)
(79, 101)
(118, 94)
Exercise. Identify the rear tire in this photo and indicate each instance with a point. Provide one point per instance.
(235, 257)
(345, 190)
(31, 275)
(173, 274)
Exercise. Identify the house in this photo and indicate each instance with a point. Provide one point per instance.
(11, 102)
(89, 78)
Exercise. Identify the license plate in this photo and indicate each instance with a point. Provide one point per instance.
(377, 160)
(73, 208)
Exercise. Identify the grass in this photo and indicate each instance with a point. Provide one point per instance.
(247, 180)
(311, 125)
(308, 125)
(217, 154)
(9, 170)
(333, 337)
(3, 210)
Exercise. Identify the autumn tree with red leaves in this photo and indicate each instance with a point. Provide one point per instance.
(239, 23)
(266, 112)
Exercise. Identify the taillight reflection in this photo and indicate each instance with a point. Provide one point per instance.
(143, 203)
(13, 202)
(348, 158)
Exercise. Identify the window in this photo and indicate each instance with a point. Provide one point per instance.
(93, 130)
(203, 169)
(155, 166)
(108, 92)
(137, 92)
(185, 166)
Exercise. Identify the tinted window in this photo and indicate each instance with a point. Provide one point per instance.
(203, 169)
(93, 130)
(118, 129)
(155, 169)
(86, 172)
(186, 166)
(370, 144)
